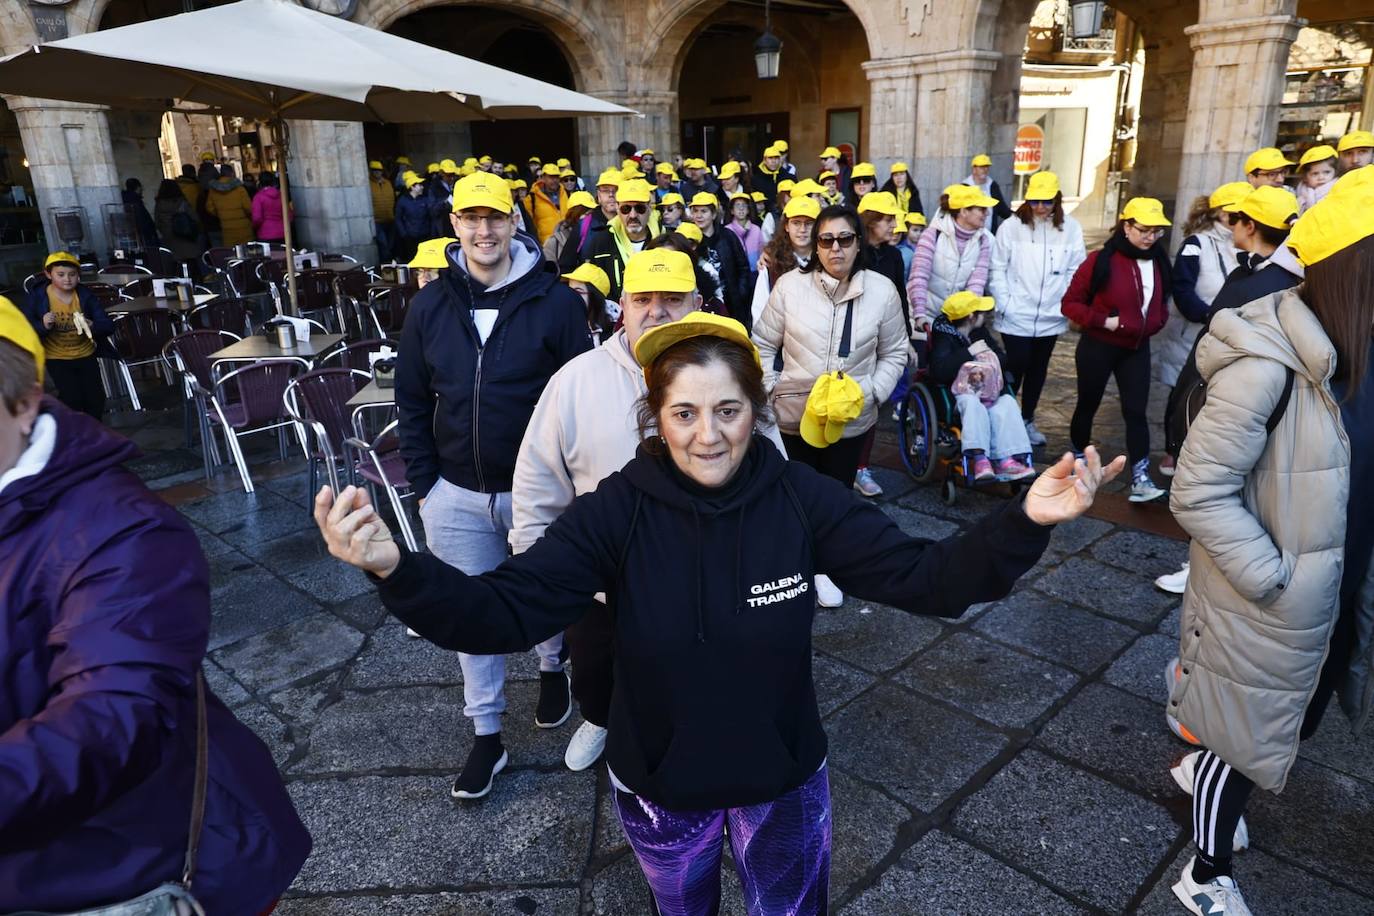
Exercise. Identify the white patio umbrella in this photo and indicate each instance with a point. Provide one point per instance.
(286, 62)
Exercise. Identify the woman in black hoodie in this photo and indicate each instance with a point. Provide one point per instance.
(713, 717)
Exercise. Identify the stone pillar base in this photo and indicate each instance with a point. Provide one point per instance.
(327, 175)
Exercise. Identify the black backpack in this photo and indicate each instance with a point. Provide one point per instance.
(1190, 393)
(184, 224)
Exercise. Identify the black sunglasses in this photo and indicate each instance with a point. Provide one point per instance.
(627, 209)
(845, 240)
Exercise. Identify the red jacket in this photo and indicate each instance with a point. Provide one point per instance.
(1122, 296)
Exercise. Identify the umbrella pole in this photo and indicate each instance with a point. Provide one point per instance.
(283, 153)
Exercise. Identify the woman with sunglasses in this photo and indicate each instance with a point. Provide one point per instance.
(1033, 260)
(1117, 297)
(832, 315)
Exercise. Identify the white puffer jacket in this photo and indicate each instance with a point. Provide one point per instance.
(1030, 272)
(804, 318)
(1216, 259)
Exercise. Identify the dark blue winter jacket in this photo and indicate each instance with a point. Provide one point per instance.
(463, 404)
(413, 217)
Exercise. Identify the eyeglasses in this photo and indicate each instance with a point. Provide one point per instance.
(475, 220)
(627, 209)
(1041, 203)
(1150, 232)
(844, 239)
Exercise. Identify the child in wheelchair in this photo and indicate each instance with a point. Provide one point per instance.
(965, 358)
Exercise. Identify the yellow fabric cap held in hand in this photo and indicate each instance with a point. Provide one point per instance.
(834, 401)
(449, 166)
(704, 199)
(667, 200)
(694, 324)
(636, 191)
(589, 273)
(879, 202)
(981, 159)
(609, 178)
(830, 152)
(375, 165)
(1229, 193)
(729, 170)
(61, 257)
(962, 195)
(864, 170)
(1265, 160)
(430, 254)
(1274, 207)
(482, 189)
(898, 167)
(581, 199)
(15, 328)
(411, 180)
(1146, 211)
(915, 219)
(801, 205)
(550, 169)
(787, 184)
(659, 270)
(964, 303)
(1317, 154)
(1356, 139)
(1337, 221)
(1042, 186)
(689, 231)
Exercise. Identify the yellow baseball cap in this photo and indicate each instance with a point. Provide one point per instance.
(1318, 154)
(704, 199)
(635, 191)
(962, 195)
(484, 160)
(879, 202)
(915, 218)
(432, 167)
(207, 156)
(564, 162)
(739, 195)
(801, 205)
(61, 257)
(587, 272)
(549, 169)
(536, 160)
(964, 303)
(375, 164)
(514, 183)
(771, 152)
(567, 173)
(729, 169)
(689, 231)
(864, 170)
(581, 199)
(449, 166)
(830, 152)
(1337, 221)
(646, 152)
(15, 328)
(781, 144)
(658, 270)
(1356, 139)
(757, 197)
(411, 180)
(667, 200)
(610, 178)
(787, 184)
(1147, 211)
(1274, 207)
(981, 159)
(1042, 186)
(430, 254)
(629, 165)
(482, 189)
(827, 174)
(470, 162)
(1229, 193)
(835, 399)
(1265, 160)
(665, 168)
(403, 160)
(805, 187)
(899, 167)
(694, 324)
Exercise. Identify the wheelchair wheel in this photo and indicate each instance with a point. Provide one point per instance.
(949, 492)
(918, 433)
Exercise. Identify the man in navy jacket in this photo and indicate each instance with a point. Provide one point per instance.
(479, 345)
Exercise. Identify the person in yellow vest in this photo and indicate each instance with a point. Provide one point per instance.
(545, 204)
(74, 329)
(383, 209)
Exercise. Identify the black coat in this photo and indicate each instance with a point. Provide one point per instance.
(413, 218)
(733, 265)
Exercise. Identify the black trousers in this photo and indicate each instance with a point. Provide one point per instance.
(1097, 362)
(591, 649)
(78, 384)
(839, 461)
(1028, 364)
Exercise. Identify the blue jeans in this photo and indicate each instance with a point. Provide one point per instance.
(998, 430)
(468, 530)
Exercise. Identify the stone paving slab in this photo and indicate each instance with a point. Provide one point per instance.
(1140, 670)
(289, 654)
(520, 902)
(1107, 590)
(1055, 631)
(874, 637)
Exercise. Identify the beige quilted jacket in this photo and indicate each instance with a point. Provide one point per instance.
(1267, 518)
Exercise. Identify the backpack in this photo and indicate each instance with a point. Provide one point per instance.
(184, 224)
(1188, 396)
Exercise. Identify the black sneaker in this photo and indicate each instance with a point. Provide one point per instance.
(555, 699)
(487, 758)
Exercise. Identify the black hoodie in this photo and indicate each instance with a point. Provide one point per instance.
(714, 704)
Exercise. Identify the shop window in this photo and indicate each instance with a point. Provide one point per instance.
(1065, 130)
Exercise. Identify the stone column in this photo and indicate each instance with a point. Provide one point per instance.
(135, 136)
(1234, 99)
(327, 175)
(657, 130)
(71, 163)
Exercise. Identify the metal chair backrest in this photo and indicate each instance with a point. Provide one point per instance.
(33, 280)
(140, 336)
(270, 271)
(259, 388)
(328, 258)
(391, 306)
(320, 397)
(354, 355)
(142, 287)
(192, 350)
(315, 290)
(354, 284)
(221, 315)
(123, 268)
(105, 294)
(218, 258)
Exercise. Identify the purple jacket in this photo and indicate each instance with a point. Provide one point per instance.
(106, 615)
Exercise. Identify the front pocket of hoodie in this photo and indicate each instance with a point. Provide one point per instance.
(724, 761)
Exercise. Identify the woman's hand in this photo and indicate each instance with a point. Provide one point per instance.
(1065, 491)
(354, 532)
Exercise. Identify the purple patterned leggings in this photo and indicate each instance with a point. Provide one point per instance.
(781, 850)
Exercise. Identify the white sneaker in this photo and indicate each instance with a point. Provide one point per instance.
(1175, 582)
(586, 745)
(1183, 775)
(1143, 490)
(865, 484)
(1036, 436)
(828, 594)
(1218, 897)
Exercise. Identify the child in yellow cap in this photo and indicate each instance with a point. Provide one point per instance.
(1316, 173)
(74, 329)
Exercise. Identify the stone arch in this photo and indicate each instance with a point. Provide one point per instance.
(808, 85)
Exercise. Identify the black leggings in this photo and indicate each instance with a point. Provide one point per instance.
(1028, 363)
(78, 384)
(839, 461)
(1096, 363)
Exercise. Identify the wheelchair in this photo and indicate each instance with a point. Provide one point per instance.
(928, 435)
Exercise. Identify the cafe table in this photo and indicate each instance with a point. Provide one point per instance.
(162, 303)
(256, 346)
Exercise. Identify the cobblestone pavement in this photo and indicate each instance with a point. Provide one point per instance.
(1012, 761)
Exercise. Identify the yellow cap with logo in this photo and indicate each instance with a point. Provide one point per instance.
(581, 199)
(834, 401)
(864, 170)
(482, 189)
(1356, 139)
(15, 328)
(610, 178)
(1042, 186)
(1337, 221)
(801, 205)
(962, 195)
(587, 272)
(964, 303)
(1317, 154)
(689, 231)
(982, 159)
(694, 324)
(635, 191)
(667, 200)
(1229, 193)
(1268, 159)
(430, 254)
(1147, 211)
(830, 152)
(704, 199)
(65, 258)
(879, 202)
(1273, 207)
(659, 270)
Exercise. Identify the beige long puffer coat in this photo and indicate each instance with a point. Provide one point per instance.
(803, 320)
(1267, 518)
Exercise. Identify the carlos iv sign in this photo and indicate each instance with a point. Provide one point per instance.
(1030, 149)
